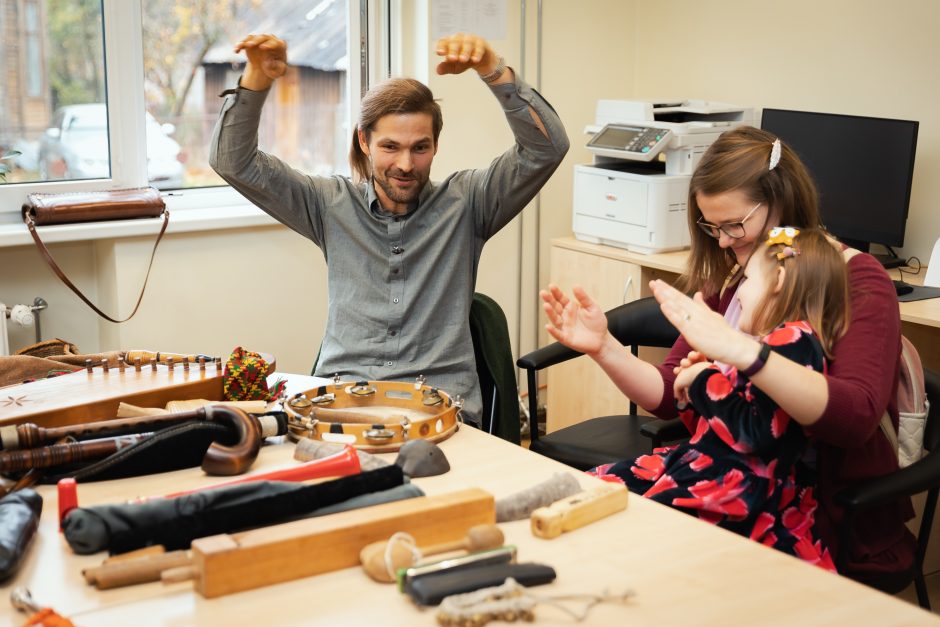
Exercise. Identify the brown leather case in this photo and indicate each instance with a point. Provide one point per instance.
(115, 204)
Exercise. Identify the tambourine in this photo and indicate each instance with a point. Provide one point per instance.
(373, 416)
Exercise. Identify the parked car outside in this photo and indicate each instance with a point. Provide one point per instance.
(75, 146)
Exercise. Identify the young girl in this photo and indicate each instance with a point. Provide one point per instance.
(741, 467)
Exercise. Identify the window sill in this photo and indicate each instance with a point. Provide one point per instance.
(14, 233)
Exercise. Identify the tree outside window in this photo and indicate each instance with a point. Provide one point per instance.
(53, 105)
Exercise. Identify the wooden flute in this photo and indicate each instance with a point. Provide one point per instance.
(219, 459)
(68, 453)
(29, 435)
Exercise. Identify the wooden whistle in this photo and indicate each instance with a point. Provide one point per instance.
(578, 510)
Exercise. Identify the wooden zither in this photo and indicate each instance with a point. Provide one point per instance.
(142, 378)
(374, 416)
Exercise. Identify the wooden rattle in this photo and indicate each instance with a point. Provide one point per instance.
(382, 559)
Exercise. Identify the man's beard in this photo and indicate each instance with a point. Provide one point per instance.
(396, 194)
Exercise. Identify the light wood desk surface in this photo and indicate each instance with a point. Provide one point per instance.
(683, 571)
(920, 312)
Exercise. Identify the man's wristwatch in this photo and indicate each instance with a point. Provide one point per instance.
(495, 74)
(759, 363)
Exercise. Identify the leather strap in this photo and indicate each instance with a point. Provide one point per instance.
(55, 267)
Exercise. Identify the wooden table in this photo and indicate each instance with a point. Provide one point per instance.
(683, 571)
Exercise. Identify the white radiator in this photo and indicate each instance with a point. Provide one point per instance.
(22, 315)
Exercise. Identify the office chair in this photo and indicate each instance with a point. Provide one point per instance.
(495, 370)
(609, 438)
(921, 476)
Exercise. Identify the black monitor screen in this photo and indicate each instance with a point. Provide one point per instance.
(862, 166)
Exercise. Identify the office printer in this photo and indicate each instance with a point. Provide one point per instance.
(635, 193)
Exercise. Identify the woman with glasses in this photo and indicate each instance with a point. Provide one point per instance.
(746, 183)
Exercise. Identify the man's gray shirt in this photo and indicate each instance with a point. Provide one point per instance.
(400, 286)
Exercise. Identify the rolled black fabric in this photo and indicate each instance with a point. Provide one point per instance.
(175, 523)
(19, 518)
(90, 529)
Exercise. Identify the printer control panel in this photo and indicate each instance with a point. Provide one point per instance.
(622, 141)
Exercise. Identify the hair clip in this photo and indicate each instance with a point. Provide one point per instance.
(788, 251)
(774, 154)
(783, 235)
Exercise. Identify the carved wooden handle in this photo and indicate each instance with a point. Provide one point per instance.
(238, 458)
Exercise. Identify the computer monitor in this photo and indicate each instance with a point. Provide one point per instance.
(863, 168)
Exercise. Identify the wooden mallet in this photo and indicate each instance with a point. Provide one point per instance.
(403, 555)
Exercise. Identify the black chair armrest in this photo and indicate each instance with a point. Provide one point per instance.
(918, 477)
(637, 323)
(660, 430)
(546, 356)
(641, 322)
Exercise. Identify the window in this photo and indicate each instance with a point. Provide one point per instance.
(49, 114)
(115, 93)
(188, 61)
(33, 51)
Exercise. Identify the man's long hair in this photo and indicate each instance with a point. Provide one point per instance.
(396, 95)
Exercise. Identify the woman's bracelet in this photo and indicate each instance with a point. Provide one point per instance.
(759, 363)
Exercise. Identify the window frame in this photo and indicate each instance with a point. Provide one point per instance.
(123, 42)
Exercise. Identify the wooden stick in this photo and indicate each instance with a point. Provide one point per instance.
(373, 556)
(477, 539)
(180, 573)
(147, 551)
(130, 572)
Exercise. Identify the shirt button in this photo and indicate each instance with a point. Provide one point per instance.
(393, 333)
(388, 363)
(394, 270)
(395, 300)
(397, 250)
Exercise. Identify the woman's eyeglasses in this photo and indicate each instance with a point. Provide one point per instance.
(733, 230)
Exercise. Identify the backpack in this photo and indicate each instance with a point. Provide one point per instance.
(913, 406)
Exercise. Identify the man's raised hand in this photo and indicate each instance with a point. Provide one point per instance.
(267, 60)
(463, 51)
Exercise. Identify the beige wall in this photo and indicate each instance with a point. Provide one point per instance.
(475, 132)
(862, 57)
(261, 288)
(515, 263)
(588, 53)
(24, 276)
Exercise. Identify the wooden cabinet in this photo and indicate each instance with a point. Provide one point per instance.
(579, 389)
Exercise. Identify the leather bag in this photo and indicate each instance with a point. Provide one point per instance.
(72, 207)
